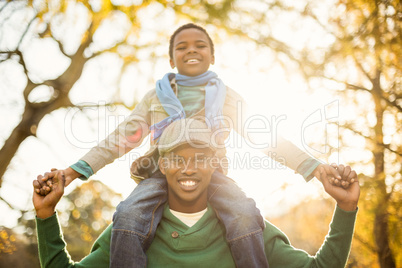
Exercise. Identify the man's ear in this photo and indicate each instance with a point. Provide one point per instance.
(162, 165)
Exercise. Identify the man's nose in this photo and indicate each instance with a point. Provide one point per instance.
(189, 168)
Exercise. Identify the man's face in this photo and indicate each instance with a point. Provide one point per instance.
(192, 52)
(188, 172)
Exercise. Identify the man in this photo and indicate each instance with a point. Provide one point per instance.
(190, 233)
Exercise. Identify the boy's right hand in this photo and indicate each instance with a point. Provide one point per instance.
(43, 185)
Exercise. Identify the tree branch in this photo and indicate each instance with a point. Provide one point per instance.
(7, 203)
(349, 86)
(61, 47)
(385, 146)
(4, 6)
(365, 243)
(81, 107)
(393, 104)
(25, 32)
(30, 85)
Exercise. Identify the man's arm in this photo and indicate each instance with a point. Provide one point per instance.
(335, 250)
(52, 247)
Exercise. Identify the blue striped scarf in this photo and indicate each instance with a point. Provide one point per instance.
(215, 92)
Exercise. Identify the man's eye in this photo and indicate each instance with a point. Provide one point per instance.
(202, 160)
(178, 160)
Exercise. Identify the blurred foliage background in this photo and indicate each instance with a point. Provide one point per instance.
(358, 59)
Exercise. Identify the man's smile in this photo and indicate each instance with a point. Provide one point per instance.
(188, 184)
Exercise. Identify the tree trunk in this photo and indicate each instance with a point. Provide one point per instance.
(10, 147)
(33, 114)
(381, 229)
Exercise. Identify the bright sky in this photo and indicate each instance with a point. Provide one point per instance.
(65, 135)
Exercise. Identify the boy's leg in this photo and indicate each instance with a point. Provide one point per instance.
(242, 219)
(135, 222)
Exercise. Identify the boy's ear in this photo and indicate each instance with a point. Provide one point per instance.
(162, 166)
(172, 64)
(213, 60)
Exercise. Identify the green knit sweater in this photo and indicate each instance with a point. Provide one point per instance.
(202, 245)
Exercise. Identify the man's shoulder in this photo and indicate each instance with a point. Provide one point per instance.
(104, 239)
(272, 232)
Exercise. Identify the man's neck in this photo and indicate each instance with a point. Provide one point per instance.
(189, 219)
(191, 207)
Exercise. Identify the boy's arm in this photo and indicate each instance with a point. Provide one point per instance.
(128, 135)
(271, 143)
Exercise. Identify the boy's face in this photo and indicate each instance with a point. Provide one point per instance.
(188, 173)
(191, 52)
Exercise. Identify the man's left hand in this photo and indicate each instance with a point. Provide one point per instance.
(45, 205)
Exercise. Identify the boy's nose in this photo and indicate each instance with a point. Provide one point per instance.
(192, 49)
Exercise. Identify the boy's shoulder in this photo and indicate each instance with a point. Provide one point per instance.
(151, 98)
(151, 94)
(232, 95)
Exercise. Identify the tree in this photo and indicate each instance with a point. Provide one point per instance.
(352, 48)
(84, 214)
(49, 21)
(357, 56)
(89, 210)
(365, 63)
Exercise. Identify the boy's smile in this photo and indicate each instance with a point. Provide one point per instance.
(192, 53)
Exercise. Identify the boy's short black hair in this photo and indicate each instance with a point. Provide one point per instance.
(185, 27)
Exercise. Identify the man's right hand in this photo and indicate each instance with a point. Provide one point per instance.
(44, 184)
(346, 198)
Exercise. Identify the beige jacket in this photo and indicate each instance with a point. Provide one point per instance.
(131, 132)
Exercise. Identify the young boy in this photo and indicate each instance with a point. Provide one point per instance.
(193, 92)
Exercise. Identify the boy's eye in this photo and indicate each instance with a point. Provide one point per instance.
(180, 48)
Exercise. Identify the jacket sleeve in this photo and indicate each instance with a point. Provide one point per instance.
(53, 252)
(334, 252)
(128, 135)
(268, 141)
